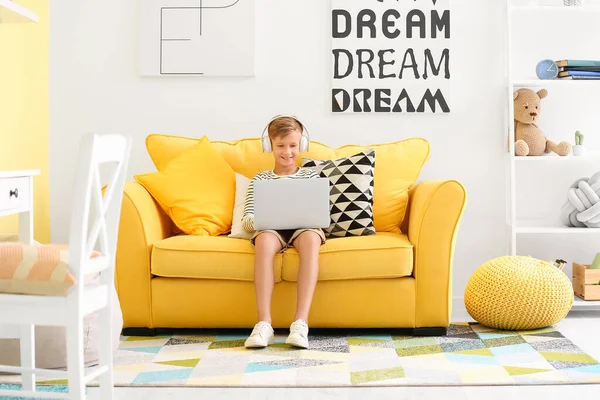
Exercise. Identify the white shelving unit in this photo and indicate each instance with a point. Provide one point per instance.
(582, 305)
(553, 158)
(11, 12)
(542, 228)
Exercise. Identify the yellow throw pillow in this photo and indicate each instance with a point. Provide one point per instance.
(397, 168)
(196, 189)
(165, 148)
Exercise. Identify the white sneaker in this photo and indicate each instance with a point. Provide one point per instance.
(298, 334)
(262, 335)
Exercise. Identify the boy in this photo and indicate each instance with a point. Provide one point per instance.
(285, 134)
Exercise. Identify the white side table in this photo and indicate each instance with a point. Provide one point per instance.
(16, 197)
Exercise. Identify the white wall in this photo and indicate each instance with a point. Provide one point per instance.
(94, 86)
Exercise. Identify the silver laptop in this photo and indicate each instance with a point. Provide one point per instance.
(291, 203)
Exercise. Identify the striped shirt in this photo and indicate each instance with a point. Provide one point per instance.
(248, 217)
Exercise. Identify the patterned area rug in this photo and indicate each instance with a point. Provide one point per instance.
(471, 354)
(52, 389)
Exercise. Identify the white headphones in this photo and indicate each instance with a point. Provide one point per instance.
(266, 140)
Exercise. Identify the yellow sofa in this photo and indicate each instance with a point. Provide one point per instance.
(399, 278)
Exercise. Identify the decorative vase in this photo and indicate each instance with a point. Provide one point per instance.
(578, 150)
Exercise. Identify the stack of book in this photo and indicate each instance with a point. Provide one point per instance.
(578, 69)
(560, 264)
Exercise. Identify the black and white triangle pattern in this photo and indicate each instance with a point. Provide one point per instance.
(351, 182)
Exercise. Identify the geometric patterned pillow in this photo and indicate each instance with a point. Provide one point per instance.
(35, 269)
(351, 182)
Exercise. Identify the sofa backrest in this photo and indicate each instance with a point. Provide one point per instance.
(397, 166)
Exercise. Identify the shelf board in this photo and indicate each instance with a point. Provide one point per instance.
(555, 82)
(10, 12)
(553, 158)
(582, 305)
(544, 227)
(555, 8)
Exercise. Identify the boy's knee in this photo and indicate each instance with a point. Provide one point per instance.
(308, 238)
(267, 241)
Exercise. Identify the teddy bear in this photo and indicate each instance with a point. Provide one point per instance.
(529, 139)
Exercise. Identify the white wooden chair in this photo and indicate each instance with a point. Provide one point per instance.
(89, 226)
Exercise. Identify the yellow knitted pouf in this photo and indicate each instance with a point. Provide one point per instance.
(518, 293)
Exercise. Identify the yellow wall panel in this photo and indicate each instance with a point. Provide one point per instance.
(24, 109)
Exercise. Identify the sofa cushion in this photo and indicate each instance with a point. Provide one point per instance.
(397, 169)
(383, 255)
(241, 187)
(36, 269)
(196, 189)
(207, 257)
(350, 193)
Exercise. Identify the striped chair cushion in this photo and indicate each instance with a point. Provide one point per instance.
(35, 269)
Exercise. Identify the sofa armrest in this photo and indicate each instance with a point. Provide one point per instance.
(142, 224)
(436, 208)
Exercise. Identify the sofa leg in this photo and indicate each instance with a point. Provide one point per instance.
(430, 331)
(139, 332)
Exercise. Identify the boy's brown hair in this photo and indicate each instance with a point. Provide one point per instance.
(283, 126)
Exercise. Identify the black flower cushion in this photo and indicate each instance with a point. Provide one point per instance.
(351, 182)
